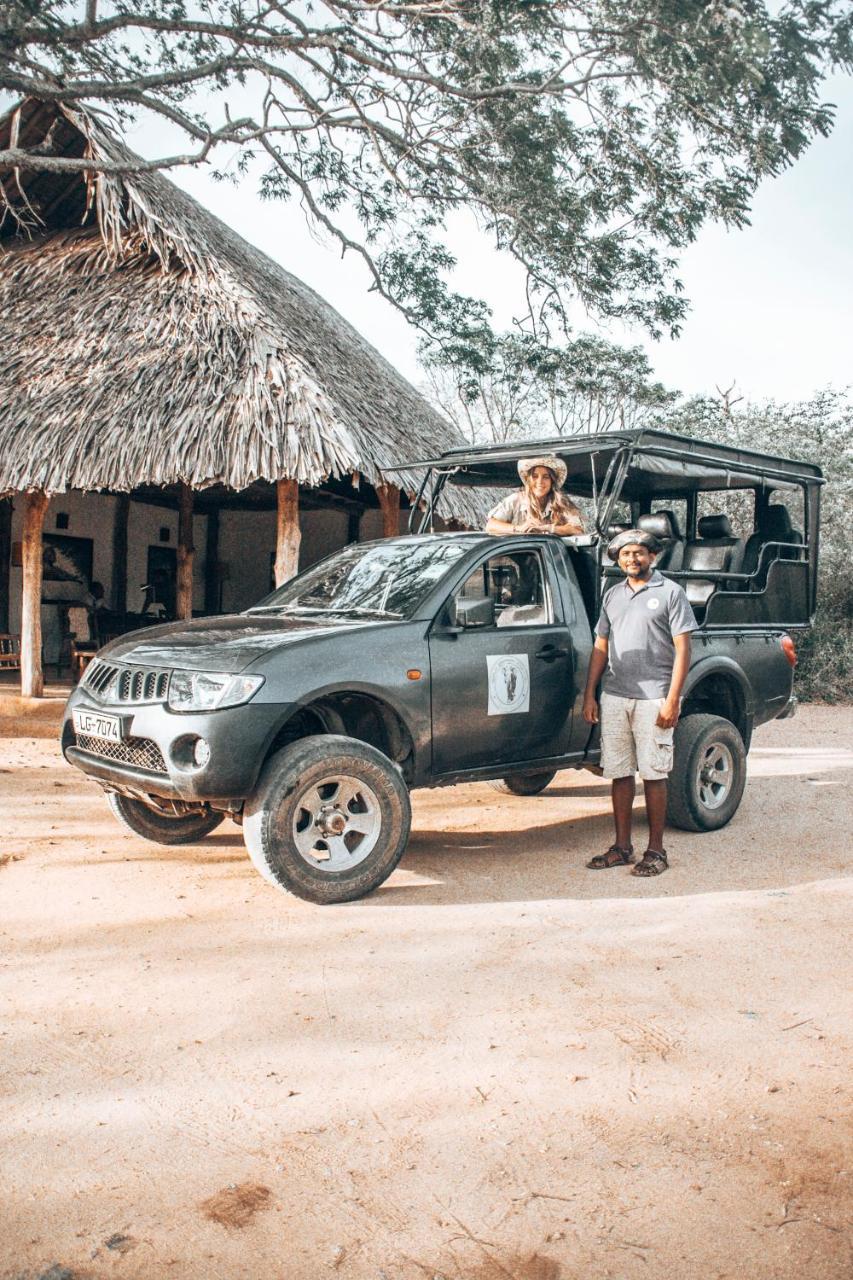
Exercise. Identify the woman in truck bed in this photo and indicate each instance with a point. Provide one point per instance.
(539, 506)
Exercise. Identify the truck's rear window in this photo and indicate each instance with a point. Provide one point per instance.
(375, 580)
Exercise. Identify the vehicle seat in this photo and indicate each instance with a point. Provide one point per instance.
(775, 526)
(521, 615)
(662, 526)
(716, 550)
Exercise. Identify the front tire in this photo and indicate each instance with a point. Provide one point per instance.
(708, 774)
(524, 784)
(328, 820)
(163, 828)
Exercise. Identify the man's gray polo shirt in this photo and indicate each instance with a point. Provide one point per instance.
(639, 627)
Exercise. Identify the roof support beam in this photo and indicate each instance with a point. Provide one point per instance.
(287, 532)
(212, 601)
(32, 674)
(119, 582)
(389, 502)
(186, 553)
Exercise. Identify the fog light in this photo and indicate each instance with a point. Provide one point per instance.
(201, 752)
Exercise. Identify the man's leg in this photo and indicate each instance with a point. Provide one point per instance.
(619, 761)
(655, 811)
(622, 791)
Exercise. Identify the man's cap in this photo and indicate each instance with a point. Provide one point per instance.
(629, 538)
(526, 465)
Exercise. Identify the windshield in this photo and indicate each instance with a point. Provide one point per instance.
(375, 580)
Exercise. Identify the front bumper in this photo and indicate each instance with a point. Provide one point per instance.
(238, 737)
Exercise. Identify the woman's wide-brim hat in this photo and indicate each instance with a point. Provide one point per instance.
(556, 465)
(632, 538)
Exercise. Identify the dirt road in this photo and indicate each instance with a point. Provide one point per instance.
(499, 1067)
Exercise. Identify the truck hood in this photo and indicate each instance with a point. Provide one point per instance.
(228, 644)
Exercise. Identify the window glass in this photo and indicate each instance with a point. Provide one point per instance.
(382, 579)
(515, 583)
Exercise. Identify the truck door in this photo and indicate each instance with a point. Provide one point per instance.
(502, 691)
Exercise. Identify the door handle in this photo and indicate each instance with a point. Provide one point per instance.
(550, 652)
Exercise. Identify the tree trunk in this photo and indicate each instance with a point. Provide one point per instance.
(287, 535)
(186, 553)
(118, 594)
(389, 502)
(32, 674)
(5, 554)
(212, 602)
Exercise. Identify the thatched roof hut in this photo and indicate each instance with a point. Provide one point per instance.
(144, 343)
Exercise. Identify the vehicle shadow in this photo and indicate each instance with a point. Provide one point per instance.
(474, 847)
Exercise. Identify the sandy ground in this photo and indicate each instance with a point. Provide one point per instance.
(498, 1067)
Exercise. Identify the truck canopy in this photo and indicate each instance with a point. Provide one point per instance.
(763, 573)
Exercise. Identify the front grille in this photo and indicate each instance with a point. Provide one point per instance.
(127, 685)
(141, 753)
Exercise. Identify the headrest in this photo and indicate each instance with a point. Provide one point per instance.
(776, 525)
(715, 527)
(673, 520)
(617, 528)
(658, 525)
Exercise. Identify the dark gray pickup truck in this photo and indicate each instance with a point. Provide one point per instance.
(447, 657)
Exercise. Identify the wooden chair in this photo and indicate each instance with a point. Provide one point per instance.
(10, 652)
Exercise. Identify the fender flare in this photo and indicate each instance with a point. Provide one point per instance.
(720, 665)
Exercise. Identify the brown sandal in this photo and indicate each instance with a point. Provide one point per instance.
(652, 863)
(614, 857)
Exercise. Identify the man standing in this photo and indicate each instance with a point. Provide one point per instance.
(642, 648)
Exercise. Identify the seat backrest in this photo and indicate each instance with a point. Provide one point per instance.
(774, 526)
(661, 525)
(716, 550)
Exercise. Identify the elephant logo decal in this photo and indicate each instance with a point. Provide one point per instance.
(509, 684)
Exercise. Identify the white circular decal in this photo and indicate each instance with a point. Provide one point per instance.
(653, 603)
(508, 684)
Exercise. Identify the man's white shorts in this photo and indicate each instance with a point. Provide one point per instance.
(631, 741)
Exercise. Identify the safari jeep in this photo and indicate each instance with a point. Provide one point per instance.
(439, 658)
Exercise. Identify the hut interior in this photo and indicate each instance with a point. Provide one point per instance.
(183, 422)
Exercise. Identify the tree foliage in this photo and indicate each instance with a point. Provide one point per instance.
(535, 390)
(590, 138)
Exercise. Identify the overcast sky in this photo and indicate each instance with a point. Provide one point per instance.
(770, 304)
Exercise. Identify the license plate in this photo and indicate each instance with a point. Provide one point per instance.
(96, 725)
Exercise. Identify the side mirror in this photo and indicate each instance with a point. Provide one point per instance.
(471, 614)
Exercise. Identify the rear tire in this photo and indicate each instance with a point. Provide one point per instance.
(708, 774)
(328, 820)
(163, 828)
(524, 784)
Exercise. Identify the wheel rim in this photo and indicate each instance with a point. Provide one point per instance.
(715, 775)
(336, 823)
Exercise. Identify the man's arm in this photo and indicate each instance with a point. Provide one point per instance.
(597, 663)
(669, 712)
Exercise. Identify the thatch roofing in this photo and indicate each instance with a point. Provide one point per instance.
(142, 341)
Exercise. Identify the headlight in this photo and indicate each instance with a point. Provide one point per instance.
(209, 690)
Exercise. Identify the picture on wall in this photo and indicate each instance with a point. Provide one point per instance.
(67, 559)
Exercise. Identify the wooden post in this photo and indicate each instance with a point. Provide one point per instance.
(118, 594)
(389, 501)
(5, 556)
(32, 675)
(287, 532)
(212, 603)
(186, 553)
